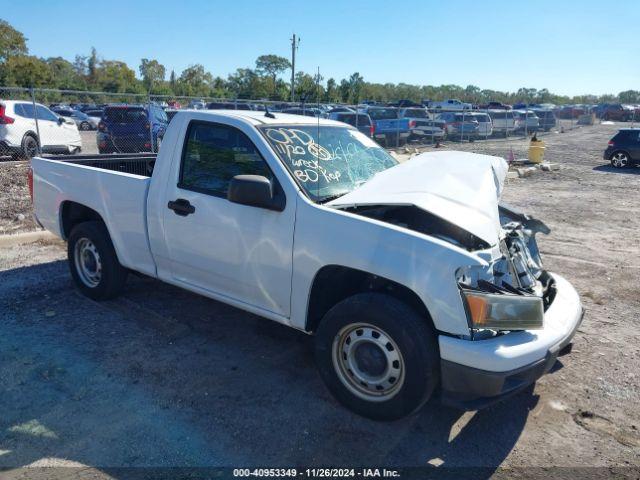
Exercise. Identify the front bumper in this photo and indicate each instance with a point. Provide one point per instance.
(476, 374)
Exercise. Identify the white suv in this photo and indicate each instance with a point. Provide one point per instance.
(19, 135)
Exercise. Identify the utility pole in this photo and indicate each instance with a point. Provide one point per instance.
(294, 46)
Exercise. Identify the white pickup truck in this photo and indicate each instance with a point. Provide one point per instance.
(449, 105)
(411, 277)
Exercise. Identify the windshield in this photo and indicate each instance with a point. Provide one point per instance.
(415, 113)
(125, 115)
(327, 161)
(382, 113)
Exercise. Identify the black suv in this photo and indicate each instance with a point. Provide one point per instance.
(623, 149)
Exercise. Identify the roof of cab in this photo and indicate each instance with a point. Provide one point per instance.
(259, 118)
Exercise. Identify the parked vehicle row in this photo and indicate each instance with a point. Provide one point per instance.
(126, 128)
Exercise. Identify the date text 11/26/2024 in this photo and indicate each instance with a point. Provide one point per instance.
(316, 472)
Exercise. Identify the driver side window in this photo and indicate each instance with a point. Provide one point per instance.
(213, 154)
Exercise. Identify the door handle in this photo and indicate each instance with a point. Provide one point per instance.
(181, 207)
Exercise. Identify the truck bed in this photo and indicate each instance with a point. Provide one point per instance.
(113, 186)
(136, 164)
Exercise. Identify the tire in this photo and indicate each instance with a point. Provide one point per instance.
(85, 126)
(620, 160)
(29, 147)
(93, 262)
(372, 322)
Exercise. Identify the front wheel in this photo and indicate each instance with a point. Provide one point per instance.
(93, 262)
(620, 160)
(85, 126)
(377, 356)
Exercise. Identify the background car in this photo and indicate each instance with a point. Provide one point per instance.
(526, 120)
(340, 108)
(421, 125)
(460, 125)
(361, 121)
(546, 119)
(504, 121)
(19, 133)
(388, 127)
(81, 119)
(95, 114)
(618, 112)
(307, 111)
(485, 125)
(495, 106)
(451, 105)
(623, 150)
(131, 128)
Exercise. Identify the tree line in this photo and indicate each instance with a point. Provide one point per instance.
(92, 72)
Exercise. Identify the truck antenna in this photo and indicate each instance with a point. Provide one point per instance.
(267, 113)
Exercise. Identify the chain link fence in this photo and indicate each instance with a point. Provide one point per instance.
(65, 122)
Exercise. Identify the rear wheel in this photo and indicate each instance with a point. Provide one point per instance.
(85, 126)
(93, 262)
(620, 160)
(29, 147)
(377, 356)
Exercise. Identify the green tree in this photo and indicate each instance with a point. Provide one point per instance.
(195, 80)
(80, 65)
(26, 71)
(152, 73)
(64, 74)
(351, 90)
(12, 42)
(629, 96)
(115, 76)
(331, 93)
(271, 66)
(92, 66)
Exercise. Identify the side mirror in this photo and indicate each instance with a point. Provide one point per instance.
(61, 120)
(255, 191)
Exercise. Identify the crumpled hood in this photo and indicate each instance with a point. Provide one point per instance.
(459, 187)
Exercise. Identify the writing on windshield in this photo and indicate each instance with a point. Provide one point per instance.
(327, 160)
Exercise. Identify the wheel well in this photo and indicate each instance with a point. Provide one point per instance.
(30, 133)
(73, 213)
(334, 283)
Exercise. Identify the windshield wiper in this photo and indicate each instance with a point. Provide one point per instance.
(332, 197)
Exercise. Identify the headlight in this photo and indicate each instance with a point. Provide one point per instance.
(504, 311)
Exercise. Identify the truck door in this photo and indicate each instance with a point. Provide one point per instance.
(236, 251)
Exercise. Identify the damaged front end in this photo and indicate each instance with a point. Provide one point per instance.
(514, 291)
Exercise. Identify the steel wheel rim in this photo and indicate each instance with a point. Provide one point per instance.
(620, 160)
(368, 362)
(87, 262)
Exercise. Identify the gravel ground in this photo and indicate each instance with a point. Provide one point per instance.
(162, 377)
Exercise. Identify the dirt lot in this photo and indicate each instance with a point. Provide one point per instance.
(162, 377)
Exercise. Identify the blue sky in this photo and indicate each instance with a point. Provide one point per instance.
(569, 47)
